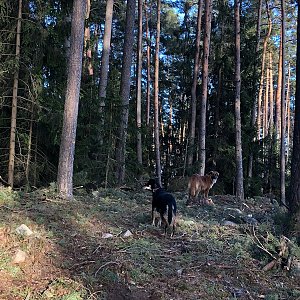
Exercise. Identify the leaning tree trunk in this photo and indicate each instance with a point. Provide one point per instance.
(194, 88)
(283, 119)
(12, 144)
(294, 199)
(238, 126)
(139, 83)
(156, 89)
(202, 125)
(125, 90)
(67, 145)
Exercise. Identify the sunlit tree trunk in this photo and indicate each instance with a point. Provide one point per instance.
(238, 123)
(156, 89)
(67, 145)
(254, 106)
(262, 76)
(139, 82)
(87, 42)
(12, 143)
(148, 39)
(271, 117)
(105, 51)
(294, 199)
(278, 93)
(104, 66)
(266, 104)
(125, 90)
(283, 116)
(288, 115)
(202, 125)
(88, 51)
(194, 87)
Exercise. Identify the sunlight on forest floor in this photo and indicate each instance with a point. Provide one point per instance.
(78, 249)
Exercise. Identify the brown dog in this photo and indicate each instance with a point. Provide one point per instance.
(201, 184)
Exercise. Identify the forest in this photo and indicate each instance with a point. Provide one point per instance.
(97, 97)
(165, 89)
(178, 72)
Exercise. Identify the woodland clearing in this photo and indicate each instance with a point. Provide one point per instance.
(79, 249)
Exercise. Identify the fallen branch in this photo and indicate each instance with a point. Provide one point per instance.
(260, 245)
(270, 265)
(106, 264)
(83, 263)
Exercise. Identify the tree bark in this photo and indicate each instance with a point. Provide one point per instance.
(194, 88)
(254, 106)
(283, 116)
(294, 199)
(271, 117)
(238, 125)
(148, 39)
(288, 115)
(202, 125)
(139, 82)
(105, 52)
(125, 90)
(156, 90)
(14, 105)
(261, 84)
(67, 145)
(278, 93)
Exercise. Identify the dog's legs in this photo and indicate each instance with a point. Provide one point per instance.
(188, 201)
(153, 217)
(199, 198)
(159, 222)
(206, 193)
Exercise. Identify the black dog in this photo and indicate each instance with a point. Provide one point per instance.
(165, 204)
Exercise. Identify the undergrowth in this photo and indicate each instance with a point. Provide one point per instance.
(78, 249)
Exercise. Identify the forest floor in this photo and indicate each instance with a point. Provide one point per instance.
(80, 249)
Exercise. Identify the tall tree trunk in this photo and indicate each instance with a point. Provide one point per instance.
(294, 199)
(28, 159)
(283, 117)
(148, 39)
(125, 90)
(238, 124)
(202, 125)
(253, 113)
(88, 51)
(288, 115)
(194, 87)
(14, 105)
(266, 103)
(278, 93)
(139, 82)
(261, 84)
(271, 142)
(104, 67)
(105, 51)
(67, 145)
(271, 117)
(156, 90)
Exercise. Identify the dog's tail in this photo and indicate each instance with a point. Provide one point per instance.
(171, 217)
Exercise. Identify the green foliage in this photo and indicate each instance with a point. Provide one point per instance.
(43, 72)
